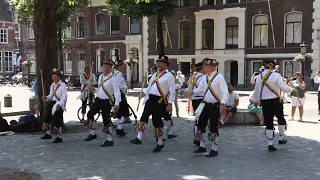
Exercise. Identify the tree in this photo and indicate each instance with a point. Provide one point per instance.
(64, 10)
(139, 9)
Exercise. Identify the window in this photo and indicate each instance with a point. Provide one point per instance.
(184, 3)
(232, 29)
(231, 1)
(101, 56)
(3, 35)
(30, 31)
(260, 31)
(0, 61)
(100, 24)
(164, 33)
(134, 26)
(184, 34)
(293, 28)
(290, 68)
(256, 65)
(32, 59)
(68, 33)
(80, 27)
(8, 64)
(81, 62)
(67, 62)
(115, 54)
(115, 25)
(207, 34)
(208, 2)
(318, 34)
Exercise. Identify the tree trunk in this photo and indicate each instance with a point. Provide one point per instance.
(60, 49)
(45, 30)
(160, 35)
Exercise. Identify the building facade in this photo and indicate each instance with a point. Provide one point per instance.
(316, 37)
(8, 40)
(240, 34)
(94, 35)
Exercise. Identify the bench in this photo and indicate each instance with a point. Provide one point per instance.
(243, 117)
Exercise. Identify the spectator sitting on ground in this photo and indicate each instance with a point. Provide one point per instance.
(232, 104)
(255, 110)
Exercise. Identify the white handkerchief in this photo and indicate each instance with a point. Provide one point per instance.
(199, 110)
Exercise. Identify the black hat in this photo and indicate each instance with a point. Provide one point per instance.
(118, 63)
(107, 62)
(198, 66)
(270, 63)
(210, 62)
(57, 72)
(163, 59)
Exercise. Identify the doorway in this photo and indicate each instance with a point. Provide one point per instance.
(185, 68)
(234, 73)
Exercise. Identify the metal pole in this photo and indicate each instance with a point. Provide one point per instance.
(270, 14)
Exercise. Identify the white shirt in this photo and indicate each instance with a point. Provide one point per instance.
(317, 80)
(219, 85)
(276, 81)
(121, 81)
(232, 98)
(181, 78)
(111, 85)
(61, 95)
(85, 80)
(167, 83)
(198, 94)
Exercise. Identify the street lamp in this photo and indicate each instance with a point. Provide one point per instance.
(131, 63)
(303, 48)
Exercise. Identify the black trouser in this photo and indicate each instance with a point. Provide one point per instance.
(157, 110)
(195, 105)
(84, 103)
(271, 108)
(55, 120)
(123, 107)
(167, 116)
(102, 105)
(319, 101)
(211, 112)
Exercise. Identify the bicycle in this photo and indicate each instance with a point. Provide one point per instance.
(183, 94)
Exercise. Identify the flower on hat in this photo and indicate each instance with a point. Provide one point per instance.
(162, 57)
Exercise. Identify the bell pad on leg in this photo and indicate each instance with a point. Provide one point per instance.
(141, 126)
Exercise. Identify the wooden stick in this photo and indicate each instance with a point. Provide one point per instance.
(42, 84)
(141, 92)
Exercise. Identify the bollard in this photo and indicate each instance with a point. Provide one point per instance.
(31, 104)
(7, 101)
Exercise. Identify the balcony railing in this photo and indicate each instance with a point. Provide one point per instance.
(220, 52)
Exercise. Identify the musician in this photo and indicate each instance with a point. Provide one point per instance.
(152, 71)
(267, 90)
(197, 98)
(162, 86)
(297, 97)
(108, 87)
(123, 112)
(57, 100)
(215, 90)
(87, 80)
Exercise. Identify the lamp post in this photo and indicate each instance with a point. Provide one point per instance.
(131, 63)
(303, 48)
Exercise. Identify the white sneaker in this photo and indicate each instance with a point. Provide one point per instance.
(300, 119)
(221, 121)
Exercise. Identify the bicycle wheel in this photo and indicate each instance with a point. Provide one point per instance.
(79, 113)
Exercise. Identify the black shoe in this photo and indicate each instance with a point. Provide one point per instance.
(57, 140)
(282, 141)
(82, 120)
(107, 143)
(212, 153)
(135, 141)
(196, 142)
(272, 148)
(200, 150)
(120, 132)
(46, 136)
(172, 136)
(91, 137)
(158, 148)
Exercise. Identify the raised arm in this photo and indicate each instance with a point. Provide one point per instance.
(282, 85)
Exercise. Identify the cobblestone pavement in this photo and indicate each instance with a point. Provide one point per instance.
(242, 153)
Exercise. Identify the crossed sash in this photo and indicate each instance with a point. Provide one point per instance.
(55, 92)
(209, 87)
(196, 80)
(265, 83)
(156, 80)
(105, 89)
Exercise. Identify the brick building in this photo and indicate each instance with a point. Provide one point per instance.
(8, 40)
(236, 32)
(93, 36)
(316, 36)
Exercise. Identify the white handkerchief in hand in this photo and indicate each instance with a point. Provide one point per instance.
(199, 110)
(54, 108)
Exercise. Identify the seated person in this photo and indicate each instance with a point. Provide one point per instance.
(232, 105)
(255, 110)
